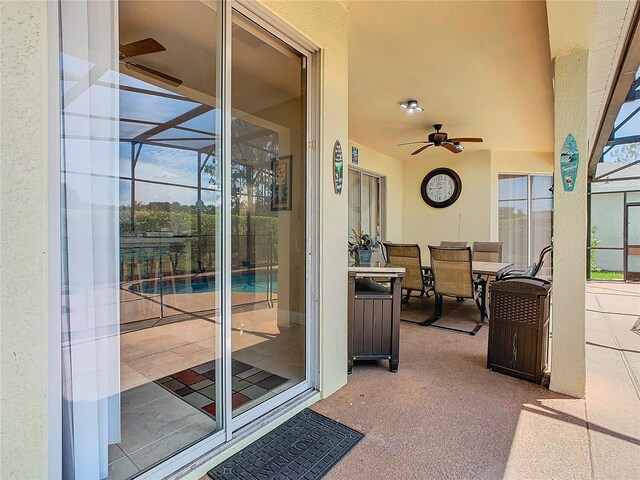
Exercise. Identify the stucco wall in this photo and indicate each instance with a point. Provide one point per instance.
(467, 219)
(568, 370)
(474, 217)
(392, 171)
(23, 240)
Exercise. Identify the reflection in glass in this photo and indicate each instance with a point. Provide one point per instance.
(354, 201)
(268, 208)
(169, 235)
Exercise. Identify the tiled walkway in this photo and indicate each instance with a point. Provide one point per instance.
(444, 415)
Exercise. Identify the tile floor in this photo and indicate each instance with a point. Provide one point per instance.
(155, 422)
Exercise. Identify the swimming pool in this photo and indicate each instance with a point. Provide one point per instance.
(247, 282)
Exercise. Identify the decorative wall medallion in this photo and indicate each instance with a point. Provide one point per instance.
(569, 160)
(354, 155)
(338, 167)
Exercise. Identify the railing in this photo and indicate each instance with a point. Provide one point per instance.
(161, 264)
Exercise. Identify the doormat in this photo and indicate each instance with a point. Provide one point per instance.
(196, 385)
(306, 446)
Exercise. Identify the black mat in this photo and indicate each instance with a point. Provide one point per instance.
(304, 447)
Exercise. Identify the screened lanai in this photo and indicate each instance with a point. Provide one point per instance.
(614, 197)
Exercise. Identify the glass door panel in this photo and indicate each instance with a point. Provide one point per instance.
(541, 219)
(633, 243)
(170, 218)
(355, 202)
(513, 218)
(268, 208)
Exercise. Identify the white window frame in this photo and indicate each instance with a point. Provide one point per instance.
(497, 206)
(381, 193)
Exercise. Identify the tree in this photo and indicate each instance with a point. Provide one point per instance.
(627, 153)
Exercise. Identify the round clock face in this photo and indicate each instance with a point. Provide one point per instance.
(441, 187)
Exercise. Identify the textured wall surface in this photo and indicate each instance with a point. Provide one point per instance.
(467, 219)
(568, 371)
(23, 241)
(392, 170)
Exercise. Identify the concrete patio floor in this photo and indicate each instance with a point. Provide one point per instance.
(445, 416)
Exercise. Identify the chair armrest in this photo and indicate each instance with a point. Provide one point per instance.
(511, 273)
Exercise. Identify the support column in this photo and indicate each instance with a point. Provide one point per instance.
(568, 363)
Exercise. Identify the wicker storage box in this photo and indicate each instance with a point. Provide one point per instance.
(519, 327)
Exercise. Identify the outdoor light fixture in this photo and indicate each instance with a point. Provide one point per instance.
(411, 106)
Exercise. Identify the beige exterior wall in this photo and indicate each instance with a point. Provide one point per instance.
(568, 362)
(467, 219)
(23, 240)
(392, 171)
(474, 217)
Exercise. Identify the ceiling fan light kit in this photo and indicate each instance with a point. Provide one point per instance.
(411, 107)
(441, 139)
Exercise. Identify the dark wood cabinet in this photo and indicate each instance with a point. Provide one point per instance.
(374, 315)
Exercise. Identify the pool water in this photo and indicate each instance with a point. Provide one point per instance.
(247, 282)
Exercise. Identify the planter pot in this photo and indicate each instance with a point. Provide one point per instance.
(364, 257)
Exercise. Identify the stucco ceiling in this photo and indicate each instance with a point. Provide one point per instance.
(480, 68)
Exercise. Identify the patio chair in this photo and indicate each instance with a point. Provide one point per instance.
(487, 251)
(453, 244)
(532, 270)
(408, 256)
(453, 277)
(427, 270)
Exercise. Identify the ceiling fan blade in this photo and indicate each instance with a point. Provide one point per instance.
(451, 147)
(409, 143)
(141, 47)
(163, 77)
(421, 149)
(458, 140)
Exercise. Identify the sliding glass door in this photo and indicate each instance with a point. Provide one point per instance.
(268, 215)
(185, 230)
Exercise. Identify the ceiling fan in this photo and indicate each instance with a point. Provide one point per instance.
(145, 47)
(441, 139)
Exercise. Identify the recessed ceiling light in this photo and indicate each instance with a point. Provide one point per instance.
(411, 107)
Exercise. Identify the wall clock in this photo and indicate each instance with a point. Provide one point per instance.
(441, 187)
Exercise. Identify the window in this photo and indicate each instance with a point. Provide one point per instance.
(365, 203)
(525, 212)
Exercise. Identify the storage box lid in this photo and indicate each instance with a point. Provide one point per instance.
(525, 285)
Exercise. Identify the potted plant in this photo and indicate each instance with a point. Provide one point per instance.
(361, 246)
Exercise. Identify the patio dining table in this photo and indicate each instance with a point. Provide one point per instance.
(495, 269)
